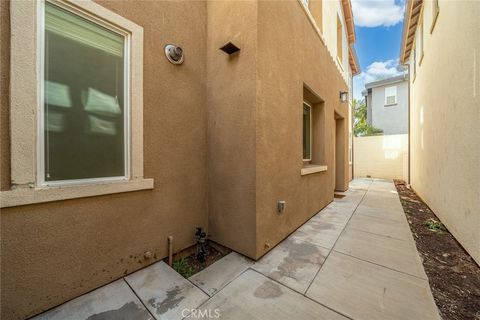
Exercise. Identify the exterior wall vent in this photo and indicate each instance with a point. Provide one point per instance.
(230, 48)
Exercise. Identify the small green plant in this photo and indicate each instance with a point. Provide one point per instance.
(360, 125)
(435, 225)
(182, 267)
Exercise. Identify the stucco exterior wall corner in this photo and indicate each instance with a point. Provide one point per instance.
(282, 78)
(231, 124)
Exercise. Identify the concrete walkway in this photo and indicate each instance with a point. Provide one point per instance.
(356, 259)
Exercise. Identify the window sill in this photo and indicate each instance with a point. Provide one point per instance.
(24, 196)
(390, 105)
(312, 168)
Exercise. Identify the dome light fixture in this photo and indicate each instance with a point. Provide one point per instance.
(174, 54)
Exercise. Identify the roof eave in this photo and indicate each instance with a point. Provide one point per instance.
(353, 60)
(348, 15)
(410, 21)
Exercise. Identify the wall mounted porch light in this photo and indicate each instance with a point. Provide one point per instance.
(343, 96)
(174, 54)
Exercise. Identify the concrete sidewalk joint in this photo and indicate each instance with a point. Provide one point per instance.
(355, 259)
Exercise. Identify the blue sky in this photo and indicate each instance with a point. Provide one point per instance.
(378, 26)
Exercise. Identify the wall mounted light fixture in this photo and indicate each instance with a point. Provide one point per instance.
(174, 54)
(343, 96)
(281, 206)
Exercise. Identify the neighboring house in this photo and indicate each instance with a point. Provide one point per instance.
(441, 46)
(108, 147)
(387, 104)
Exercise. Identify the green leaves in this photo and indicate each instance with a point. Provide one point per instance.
(360, 125)
(182, 267)
(435, 225)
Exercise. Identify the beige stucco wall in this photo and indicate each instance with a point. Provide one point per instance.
(284, 66)
(231, 124)
(445, 116)
(384, 156)
(56, 251)
(350, 125)
(254, 142)
(330, 11)
(4, 95)
(249, 109)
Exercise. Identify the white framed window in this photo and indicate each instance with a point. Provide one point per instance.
(435, 12)
(76, 102)
(84, 108)
(420, 43)
(390, 95)
(307, 132)
(414, 58)
(339, 40)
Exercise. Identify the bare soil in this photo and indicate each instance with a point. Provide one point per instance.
(191, 265)
(453, 275)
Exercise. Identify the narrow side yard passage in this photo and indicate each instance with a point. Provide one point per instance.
(355, 259)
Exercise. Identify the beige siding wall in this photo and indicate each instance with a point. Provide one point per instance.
(381, 156)
(445, 117)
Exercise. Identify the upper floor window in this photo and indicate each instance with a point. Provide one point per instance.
(414, 62)
(390, 95)
(339, 40)
(85, 99)
(419, 44)
(435, 12)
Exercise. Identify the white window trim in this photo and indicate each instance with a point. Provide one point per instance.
(41, 123)
(396, 96)
(25, 95)
(435, 12)
(340, 53)
(421, 38)
(313, 22)
(311, 144)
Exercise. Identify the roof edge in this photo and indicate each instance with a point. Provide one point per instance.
(353, 60)
(400, 78)
(348, 15)
(412, 10)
